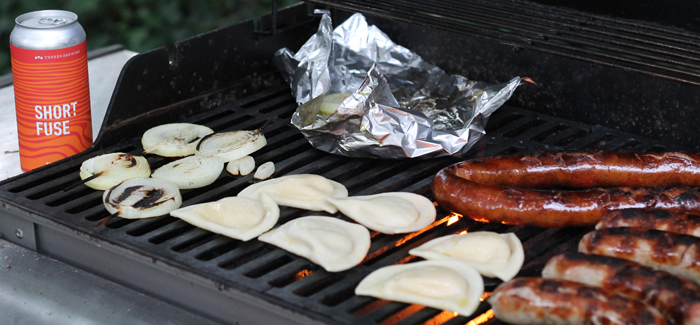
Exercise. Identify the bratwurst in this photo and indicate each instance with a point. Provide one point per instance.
(678, 299)
(681, 223)
(550, 301)
(508, 189)
(674, 253)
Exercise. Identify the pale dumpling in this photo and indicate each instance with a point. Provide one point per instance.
(304, 191)
(443, 284)
(490, 253)
(235, 217)
(389, 213)
(334, 244)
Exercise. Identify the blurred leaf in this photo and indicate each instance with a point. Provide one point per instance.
(140, 25)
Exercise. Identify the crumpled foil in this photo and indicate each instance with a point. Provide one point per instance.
(400, 106)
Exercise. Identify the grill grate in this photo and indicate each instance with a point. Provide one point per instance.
(649, 49)
(291, 281)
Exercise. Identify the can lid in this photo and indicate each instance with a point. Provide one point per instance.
(46, 19)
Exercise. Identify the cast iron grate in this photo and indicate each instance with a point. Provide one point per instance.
(281, 276)
(650, 49)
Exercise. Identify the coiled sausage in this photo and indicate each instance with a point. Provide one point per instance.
(584, 169)
(506, 189)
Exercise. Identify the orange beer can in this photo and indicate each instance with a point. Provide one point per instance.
(52, 94)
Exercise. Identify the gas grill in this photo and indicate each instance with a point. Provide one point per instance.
(602, 83)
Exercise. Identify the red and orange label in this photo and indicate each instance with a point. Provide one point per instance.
(52, 100)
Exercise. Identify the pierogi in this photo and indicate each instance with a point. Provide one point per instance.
(490, 253)
(444, 284)
(389, 213)
(334, 244)
(304, 191)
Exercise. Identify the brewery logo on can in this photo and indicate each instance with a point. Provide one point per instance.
(52, 95)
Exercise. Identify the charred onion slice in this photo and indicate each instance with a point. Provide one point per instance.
(113, 168)
(190, 172)
(229, 146)
(138, 198)
(174, 140)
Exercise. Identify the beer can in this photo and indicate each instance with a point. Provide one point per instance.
(52, 95)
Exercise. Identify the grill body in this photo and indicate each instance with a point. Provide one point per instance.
(593, 92)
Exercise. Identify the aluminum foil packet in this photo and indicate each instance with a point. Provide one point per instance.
(362, 95)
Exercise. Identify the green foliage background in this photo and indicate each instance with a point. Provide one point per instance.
(139, 25)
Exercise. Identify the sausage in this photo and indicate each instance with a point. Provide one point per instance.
(678, 299)
(551, 208)
(674, 253)
(510, 190)
(585, 169)
(680, 223)
(550, 301)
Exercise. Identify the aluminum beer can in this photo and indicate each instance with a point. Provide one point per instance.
(52, 95)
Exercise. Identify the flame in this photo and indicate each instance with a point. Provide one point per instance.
(463, 232)
(441, 318)
(485, 296)
(526, 79)
(483, 318)
(453, 219)
(302, 274)
(406, 312)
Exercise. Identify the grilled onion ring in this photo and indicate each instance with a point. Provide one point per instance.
(229, 146)
(139, 198)
(190, 172)
(174, 140)
(110, 169)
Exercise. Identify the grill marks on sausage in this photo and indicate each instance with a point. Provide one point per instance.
(675, 253)
(678, 299)
(552, 301)
(150, 198)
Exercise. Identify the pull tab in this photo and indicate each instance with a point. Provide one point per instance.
(52, 21)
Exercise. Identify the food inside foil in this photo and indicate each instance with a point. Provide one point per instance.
(362, 95)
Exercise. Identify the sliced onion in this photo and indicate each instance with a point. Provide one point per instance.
(233, 167)
(242, 166)
(174, 140)
(138, 198)
(229, 146)
(265, 170)
(111, 169)
(330, 103)
(190, 172)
